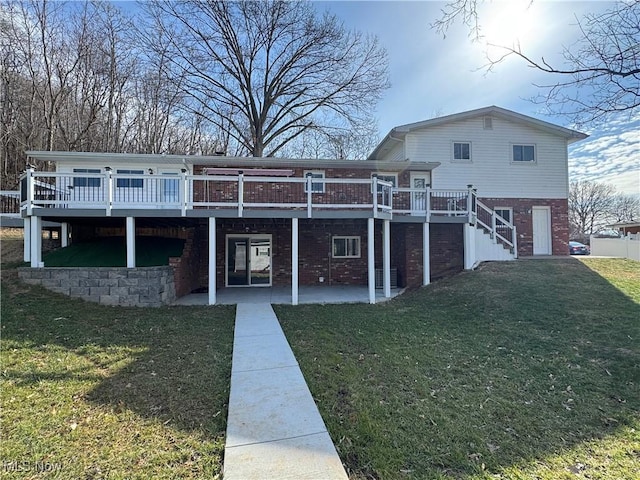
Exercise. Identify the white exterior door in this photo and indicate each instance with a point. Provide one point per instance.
(541, 230)
(419, 199)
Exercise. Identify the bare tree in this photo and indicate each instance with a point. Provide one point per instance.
(626, 208)
(600, 74)
(590, 207)
(268, 71)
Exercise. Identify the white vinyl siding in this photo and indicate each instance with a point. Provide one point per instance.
(492, 170)
(396, 154)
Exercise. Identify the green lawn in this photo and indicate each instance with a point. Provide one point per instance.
(111, 252)
(528, 370)
(93, 392)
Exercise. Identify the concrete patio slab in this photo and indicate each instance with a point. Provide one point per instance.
(274, 428)
(282, 295)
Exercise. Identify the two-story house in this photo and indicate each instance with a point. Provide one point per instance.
(434, 197)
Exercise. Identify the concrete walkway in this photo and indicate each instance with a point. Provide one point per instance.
(274, 429)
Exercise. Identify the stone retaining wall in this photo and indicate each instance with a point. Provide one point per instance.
(140, 287)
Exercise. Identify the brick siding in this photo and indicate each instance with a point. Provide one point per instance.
(523, 220)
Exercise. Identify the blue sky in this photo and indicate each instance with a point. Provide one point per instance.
(432, 76)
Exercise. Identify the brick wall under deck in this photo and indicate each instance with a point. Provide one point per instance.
(186, 266)
(523, 220)
(446, 244)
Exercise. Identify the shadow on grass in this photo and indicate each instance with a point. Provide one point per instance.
(168, 365)
(489, 373)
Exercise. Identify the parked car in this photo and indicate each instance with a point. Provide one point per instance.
(577, 248)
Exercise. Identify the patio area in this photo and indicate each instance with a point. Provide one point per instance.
(282, 295)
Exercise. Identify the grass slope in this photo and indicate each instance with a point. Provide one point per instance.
(111, 252)
(91, 392)
(528, 369)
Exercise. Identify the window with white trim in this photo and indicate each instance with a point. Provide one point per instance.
(392, 178)
(462, 151)
(524, 153)
(86, 181)
(316, 187)
(505, 212)
(345, 247)
(129, 182)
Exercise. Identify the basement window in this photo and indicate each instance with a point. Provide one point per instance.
(346, 247)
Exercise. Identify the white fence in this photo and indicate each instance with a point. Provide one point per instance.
(625, 247)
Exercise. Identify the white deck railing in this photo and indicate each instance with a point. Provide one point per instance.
(10, 203)
(109, 191)
(184, 192)
(501, 230)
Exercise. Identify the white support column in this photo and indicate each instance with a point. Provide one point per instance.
(212, 261)
(469, 246)
(386, 257)
(131, 242)
(426, 253)
(294, 261)
(371, 260)
(36, 241)
(64, 234)
(27, 239)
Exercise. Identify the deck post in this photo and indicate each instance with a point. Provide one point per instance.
(427, 205)
(240, 193)
(36, 241)
(371, 260)
(212, 261)
(131, 242)
(309, 195)
(31, 187)
(183, 191)
(64, 234)
(294, 261)
(27, 239)
(109, 206)
(374, 180)
(426, 253)
(386, 257)
(469, 246)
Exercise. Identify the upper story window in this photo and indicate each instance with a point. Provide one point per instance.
(462, 151)
(86, 181)
(392, 178)
(130, 182)
(316, 187)
(524, 153)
